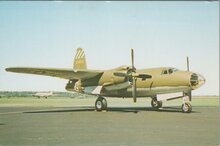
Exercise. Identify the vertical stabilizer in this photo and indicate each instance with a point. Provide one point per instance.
(79, 59)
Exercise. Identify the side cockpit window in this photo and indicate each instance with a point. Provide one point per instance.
(173, 70)
(164, 72)
(169, 71)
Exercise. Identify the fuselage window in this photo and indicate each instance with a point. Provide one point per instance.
(170, 71)
(164, 72)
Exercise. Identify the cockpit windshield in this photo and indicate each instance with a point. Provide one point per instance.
(169, 70)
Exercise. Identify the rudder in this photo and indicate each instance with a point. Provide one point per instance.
(79, 59)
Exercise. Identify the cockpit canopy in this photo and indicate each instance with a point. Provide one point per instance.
(168, 71)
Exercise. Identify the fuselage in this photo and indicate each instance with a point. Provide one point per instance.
(164, 80)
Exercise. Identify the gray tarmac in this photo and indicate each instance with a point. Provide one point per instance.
(119, 126)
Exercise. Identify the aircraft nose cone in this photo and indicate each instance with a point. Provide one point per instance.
(196, 80)
(201, 80)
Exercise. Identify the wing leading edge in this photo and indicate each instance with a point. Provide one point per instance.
(79, 74)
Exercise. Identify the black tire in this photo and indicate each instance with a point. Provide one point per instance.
(186, 107)
(160, 103)
(104, 101)
(101, 104)
(156, 104)
(98, 105)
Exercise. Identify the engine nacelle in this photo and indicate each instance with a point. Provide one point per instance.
(78, 86)
(120, 72)
(74, 85)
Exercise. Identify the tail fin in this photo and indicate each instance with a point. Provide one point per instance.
(79, 60)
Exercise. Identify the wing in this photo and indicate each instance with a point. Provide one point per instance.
(57, 72)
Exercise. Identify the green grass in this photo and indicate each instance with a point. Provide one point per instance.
(197, 101)
(67, 102)
(50, 102)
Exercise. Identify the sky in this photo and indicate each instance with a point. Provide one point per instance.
(162, 34)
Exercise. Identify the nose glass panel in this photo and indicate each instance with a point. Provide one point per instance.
(196, 80)
(201, 80)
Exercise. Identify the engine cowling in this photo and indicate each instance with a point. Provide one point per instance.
(74, 85)
(78, 86)
(121, 72)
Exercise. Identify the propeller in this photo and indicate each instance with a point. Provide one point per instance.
(190, 93)
(132, 76)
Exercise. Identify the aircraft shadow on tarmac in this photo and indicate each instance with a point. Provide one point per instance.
(110, 109)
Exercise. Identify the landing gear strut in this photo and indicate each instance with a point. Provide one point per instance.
(100, 104)
(156, 104)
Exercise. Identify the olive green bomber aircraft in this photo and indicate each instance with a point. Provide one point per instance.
(163, 83)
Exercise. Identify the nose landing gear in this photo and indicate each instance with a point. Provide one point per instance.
(186, 106)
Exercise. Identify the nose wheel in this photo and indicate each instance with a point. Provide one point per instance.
(186, 106)
(101, 104)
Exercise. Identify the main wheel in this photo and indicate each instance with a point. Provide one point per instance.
(186, 107)
(101, 104)
(156, 104)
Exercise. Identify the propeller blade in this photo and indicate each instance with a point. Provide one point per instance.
(120, 74)
(134, 89)
(134, 76)
(132, 59)
(144, 76)
(190, 93)
(187, 59)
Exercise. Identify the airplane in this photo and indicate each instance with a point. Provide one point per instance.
(43, 94)
(162, 83)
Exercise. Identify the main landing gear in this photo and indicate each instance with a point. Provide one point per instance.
(100, 104)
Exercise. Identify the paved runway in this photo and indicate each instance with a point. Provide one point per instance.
(120, 126)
